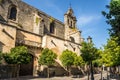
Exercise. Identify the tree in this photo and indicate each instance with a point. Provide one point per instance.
(78, 62)
(98, 62)
(47, 57)
(18, 55)
(67, 58)
(112, 48)
(113, 18)
(106, 59)
(89, 53)
(111, 55)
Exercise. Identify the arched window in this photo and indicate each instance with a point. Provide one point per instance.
(13, 13)
(72, 39)
(52, 27)
(68, 21)
(71, 24)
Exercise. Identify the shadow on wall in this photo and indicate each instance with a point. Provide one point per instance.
(2, 19)
(1, 46)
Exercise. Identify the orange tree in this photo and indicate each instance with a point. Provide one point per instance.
(69, 58)
(47, 57)
(18, 55)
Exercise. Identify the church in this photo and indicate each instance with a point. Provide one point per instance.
(22, 24)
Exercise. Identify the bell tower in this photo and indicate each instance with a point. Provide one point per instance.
(69, 22)
(70, 19)
(71, 32)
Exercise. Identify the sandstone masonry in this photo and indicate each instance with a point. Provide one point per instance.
(22, 24)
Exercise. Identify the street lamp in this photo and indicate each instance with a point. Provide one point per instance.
(89, 39)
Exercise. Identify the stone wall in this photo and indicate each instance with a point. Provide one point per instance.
(27, 36)
(26, 18)
(59, 45)
(7, 37)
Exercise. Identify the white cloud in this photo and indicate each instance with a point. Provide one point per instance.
(85, 20)
(87, 24)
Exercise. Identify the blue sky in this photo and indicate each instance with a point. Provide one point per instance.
(88, 13)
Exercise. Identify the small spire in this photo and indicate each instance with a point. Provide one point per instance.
(70, 10)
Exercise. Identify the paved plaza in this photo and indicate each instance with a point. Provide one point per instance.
(96, 76)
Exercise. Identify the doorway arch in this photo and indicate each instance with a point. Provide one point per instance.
(27, 69)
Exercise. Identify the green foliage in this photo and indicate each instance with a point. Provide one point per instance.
(107, 59)
(98, 62)
(111, 55)
(113, 18)
(89, 52)
(78, 61)
(47, 57)
(67, 58)
(18, 55)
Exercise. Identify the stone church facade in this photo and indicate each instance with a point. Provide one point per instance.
(22, 24)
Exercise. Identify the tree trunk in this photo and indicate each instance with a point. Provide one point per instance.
(18, 69)
(108, 74)
(101, 74)
(69, 71)
(91, 67)
(118, 73)
(48, 71)
(88, 71)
